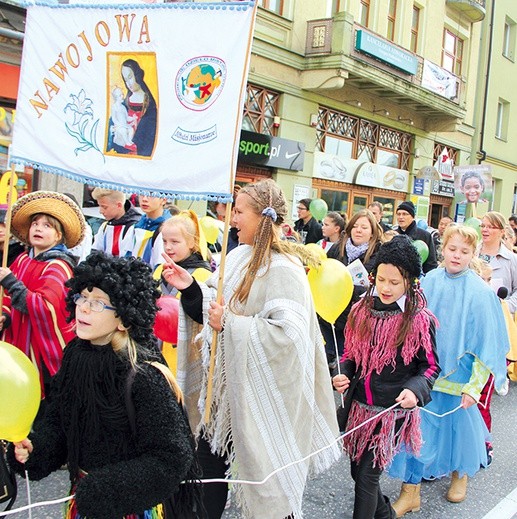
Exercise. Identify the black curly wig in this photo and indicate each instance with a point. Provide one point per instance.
(401, 253)
(131, 289)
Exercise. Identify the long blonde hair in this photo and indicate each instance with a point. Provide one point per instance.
(263, 194)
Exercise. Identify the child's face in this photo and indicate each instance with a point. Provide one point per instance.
(329, 228)
(472, 189)
(42, 236)
(175, 244)
(486, 275)
(96, 327)
(390, 284)
(457, 254)
(151, 206)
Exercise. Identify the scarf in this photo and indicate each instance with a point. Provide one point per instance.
(355, 251)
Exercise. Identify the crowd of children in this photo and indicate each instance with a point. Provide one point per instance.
(254, 385)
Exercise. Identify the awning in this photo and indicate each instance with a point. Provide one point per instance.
(10, 75)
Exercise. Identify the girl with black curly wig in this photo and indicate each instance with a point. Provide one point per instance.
(390, 358)
(115, 419)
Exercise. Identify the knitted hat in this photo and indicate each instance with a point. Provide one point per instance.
(407, 206)
(130, 286)
(401, 253)
(57, 205)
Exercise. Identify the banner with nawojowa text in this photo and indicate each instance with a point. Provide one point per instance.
(141, 98)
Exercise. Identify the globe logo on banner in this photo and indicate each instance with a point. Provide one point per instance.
(200, 81)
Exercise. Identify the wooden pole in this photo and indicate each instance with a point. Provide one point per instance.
(10, 195)
(213, 348)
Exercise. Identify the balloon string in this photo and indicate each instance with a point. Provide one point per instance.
(337, 360)
(29, 500)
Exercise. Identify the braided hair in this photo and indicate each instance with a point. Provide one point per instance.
(132, 291)
(267, 200)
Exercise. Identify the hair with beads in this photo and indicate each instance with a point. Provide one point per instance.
(400, 253)
(263, 195)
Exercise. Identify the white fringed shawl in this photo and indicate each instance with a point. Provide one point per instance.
(273, 401)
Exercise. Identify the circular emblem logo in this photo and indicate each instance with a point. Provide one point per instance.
(200, 81)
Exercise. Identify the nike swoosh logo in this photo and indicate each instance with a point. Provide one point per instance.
(291, 155)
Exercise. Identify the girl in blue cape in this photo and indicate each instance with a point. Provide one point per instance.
(472, 343)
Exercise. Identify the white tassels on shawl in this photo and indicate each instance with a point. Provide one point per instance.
(273, 402)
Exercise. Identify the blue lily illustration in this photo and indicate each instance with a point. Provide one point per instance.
(83, 127)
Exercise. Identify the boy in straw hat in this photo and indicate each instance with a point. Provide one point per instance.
(49, 224)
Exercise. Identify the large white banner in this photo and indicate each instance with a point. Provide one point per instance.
(143, 98)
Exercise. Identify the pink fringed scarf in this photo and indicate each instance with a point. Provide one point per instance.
(378, 348)
(385, 435)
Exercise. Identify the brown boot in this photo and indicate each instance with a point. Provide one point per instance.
(409, 499)
(458, 489)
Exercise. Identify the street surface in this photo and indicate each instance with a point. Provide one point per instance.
(330, 495)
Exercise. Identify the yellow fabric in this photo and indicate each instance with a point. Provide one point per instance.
(169, 351)
(512, 335)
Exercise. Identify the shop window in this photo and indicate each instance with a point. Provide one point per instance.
(452, 52)
(277, 6)
(260, 109)
(361, 139)
(336, 200)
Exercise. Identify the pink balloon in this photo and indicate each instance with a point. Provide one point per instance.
(166, 323)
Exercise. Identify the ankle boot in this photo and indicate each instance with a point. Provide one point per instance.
(409, 499)
(458, 489)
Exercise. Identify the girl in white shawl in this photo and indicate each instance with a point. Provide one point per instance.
(272, 400)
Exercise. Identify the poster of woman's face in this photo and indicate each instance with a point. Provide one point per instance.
(473, 185)
(132, 100)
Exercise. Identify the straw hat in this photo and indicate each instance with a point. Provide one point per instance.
(61, 207)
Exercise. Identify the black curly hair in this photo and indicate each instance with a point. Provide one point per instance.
(401, 253)
(131, 289)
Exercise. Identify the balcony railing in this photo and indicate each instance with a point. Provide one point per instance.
(475, 10)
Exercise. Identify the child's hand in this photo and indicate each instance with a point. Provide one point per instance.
(341, 383)
(407, 399)
(175, 275)
(22, 450)
(467, 401)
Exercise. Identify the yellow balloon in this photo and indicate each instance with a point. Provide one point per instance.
(210, 228)
(332, 288)
(20, 393)
(317, 250)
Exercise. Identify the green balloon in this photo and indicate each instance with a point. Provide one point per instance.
(422, 249)
(318, 208)
(474, 223)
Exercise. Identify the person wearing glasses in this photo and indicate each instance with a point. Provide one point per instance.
(307, 226)
(34, 317)
(116, 417)
(502, 260)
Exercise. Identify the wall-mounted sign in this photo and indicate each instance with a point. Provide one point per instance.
(442, 188)
(263, 150)
(351, 171)
(386, 52)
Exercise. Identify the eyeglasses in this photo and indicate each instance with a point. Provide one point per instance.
(94, 304)
(489, 227)
(301, 208)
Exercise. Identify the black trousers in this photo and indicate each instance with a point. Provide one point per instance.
(369, 502)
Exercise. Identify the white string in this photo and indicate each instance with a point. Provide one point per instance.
(240, 481)
(29, 500)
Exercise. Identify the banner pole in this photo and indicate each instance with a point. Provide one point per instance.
(10, 193)
(213, 348)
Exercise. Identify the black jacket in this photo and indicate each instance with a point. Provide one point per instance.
(310, 232)
(415, 233)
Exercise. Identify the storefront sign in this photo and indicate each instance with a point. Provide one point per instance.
(386, 52)
(351, 171)
(443, 188)
(263, 150)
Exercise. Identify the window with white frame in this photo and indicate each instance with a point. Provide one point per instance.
(277, 6)
(452, 52)
(501, 125)
(509, 39)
